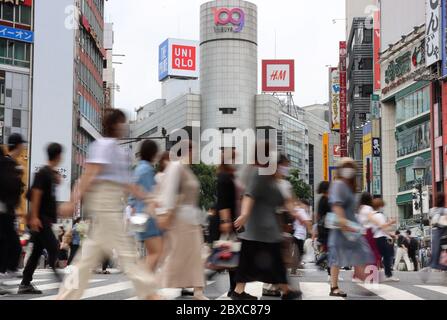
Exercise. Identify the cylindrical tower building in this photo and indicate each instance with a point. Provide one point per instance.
(229, 64)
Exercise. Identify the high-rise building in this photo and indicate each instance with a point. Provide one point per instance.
(68, 94)
(360, 88)
(110, 85)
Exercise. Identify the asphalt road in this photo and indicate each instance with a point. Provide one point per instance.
(313, 283)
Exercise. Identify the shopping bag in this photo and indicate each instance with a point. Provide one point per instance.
(224, 255)
(333, 222)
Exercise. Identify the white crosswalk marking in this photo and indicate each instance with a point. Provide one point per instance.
(390, 293)
(89, 293)
(17, 282)
(316, 291)
(438, 289)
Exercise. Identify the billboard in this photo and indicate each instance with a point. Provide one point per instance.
(326, 156)
(53, 60)
(367, 155)
(433, 22)
(178, 59)
(377, 74)
(16, 34)
(27, 3)
(334, 81)
(278, 75)
(343, 100)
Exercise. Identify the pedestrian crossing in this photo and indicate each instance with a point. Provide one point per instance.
(117, 287)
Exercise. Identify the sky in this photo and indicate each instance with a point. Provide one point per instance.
(304, 30)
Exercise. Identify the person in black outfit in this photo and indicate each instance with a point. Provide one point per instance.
(323, 232)
(413, 249)
(226, 201)
(11, 190)
(43, 215)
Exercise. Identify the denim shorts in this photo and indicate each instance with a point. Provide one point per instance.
(152, 231)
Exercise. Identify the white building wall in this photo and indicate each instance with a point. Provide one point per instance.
(398, 17)
(390, 183)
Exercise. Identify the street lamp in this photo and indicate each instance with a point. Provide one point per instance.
(419, 169)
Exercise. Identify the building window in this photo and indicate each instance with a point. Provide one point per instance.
(368, 36)
(16, 118)
(413, 139)
(228, 110)
(365, 64)
(7, 12)
(413, 105)
(15, 53)
(2, 88)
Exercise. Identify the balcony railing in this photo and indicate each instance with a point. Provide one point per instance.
(402, 152)
(408, 186)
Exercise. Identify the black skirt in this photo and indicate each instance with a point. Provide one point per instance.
(261, 262)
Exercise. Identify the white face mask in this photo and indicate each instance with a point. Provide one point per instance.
(347, 173)
(284, 171)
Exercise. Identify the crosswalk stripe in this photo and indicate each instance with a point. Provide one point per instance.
(390, 293)
(17, 282)
(438, 289)
(317, 291)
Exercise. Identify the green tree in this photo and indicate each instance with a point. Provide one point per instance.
(207, 176)
(301, 189)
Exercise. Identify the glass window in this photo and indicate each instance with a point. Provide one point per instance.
(8, 12)
(16, 118)
(19, 51)
(368, 36)
(25, 15)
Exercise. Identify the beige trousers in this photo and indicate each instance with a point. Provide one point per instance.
(104, 206)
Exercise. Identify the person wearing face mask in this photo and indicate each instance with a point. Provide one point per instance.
(383, 238)
(342, 250)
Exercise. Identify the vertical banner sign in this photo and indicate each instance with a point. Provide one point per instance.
(377, 71)
(444, 38)
(343, 101)
(334, 94)
(326, 156)
(433, 22)
(375, 106)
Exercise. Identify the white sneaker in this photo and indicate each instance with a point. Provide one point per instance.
(391, 279)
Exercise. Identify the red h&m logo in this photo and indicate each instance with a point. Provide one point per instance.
(184, 57)
(278, 75)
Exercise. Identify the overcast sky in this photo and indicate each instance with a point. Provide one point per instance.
(305, 32)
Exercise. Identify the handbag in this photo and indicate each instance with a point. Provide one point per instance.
(138, 222)
(225, 254)
(333, 222)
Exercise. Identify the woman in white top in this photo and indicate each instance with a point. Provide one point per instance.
(364, 217)
(179, 215)
(383, 238)
(105, 181)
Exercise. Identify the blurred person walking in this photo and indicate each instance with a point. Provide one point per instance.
(11, 190)
(76, 240)
(179, 216)
(365, 218)
(342, 250)
(323, 233)
(302, 226)
(43, 216)
(402, 252)
(144, 176)
(226, 203)
(261, 256)
(413, 250)
(438, 214)
(383, 238)
(103, 185)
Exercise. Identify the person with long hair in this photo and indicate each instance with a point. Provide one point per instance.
(76, 240)
(323, 233)
(179, 217)
(104, 184)
(365, 218)
(261, 256)
(144, 176)
(343, 251)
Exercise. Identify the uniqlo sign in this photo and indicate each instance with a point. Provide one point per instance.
(278, 75)
(178, 59)
(183, 57)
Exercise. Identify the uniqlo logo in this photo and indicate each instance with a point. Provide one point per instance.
(184, 57)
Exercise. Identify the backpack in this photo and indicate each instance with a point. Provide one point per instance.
(11, 185)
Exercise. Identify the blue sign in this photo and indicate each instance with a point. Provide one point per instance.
(163, 61)
(444, 38)
(16, 34)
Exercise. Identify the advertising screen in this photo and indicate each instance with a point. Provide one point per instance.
(178, 59)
